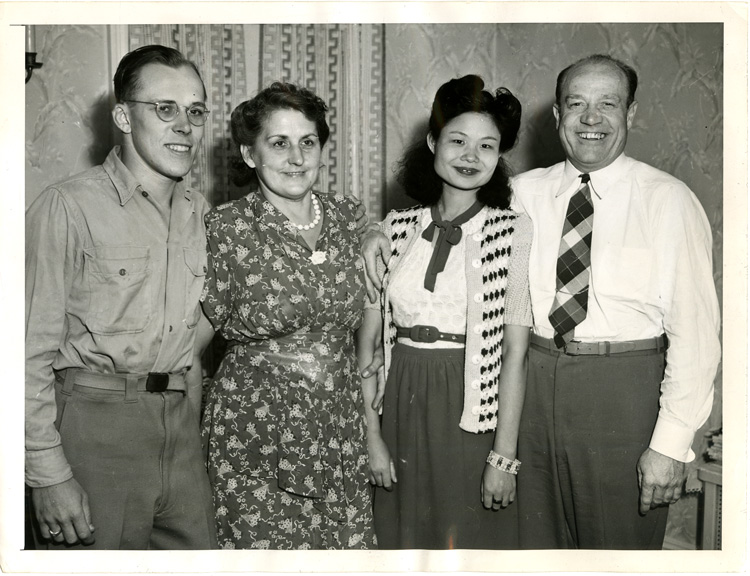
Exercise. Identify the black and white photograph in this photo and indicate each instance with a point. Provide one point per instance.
(368, 287)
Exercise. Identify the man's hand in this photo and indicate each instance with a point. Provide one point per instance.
(360, 215)
(63, 513)
(374, 244)
(660, 479)
(378, 359)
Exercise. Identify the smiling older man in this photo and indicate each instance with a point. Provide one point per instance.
(620, 270)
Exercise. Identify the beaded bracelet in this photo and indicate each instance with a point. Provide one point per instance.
(503, 463)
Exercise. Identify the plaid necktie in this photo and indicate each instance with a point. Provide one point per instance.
(573, 265)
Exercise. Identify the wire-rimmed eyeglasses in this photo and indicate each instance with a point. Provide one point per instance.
(168, 110)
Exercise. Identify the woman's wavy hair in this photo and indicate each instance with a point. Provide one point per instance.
(415, 171)
(248, 119)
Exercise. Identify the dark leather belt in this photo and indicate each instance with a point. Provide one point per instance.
(420, 333)
(151, 382)
(574, 348)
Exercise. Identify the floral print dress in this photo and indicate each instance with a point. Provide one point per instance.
(284, 423)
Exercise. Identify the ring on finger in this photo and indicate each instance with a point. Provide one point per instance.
(51, 533)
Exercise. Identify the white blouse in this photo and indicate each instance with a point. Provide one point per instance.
(445, 308)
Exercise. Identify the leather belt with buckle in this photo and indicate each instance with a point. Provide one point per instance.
(151, 382)
(421, 333)
(574, 348)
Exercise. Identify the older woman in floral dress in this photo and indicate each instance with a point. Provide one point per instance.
(284, 423)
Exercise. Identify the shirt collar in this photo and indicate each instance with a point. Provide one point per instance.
(125, 182)
(601, 180)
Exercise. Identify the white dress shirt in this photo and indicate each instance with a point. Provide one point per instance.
(651, 273)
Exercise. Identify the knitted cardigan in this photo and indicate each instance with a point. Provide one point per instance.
(487, 258)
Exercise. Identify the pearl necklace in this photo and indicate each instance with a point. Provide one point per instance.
(314, 223)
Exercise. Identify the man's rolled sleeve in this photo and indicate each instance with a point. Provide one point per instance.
(48, 254)
(691, 323)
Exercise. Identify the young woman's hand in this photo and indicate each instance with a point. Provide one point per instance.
(498, 488)
(382, 468)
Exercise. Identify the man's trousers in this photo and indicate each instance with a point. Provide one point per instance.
(140, 462)
(586, 421)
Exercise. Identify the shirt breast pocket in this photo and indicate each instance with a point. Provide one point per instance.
(197, 265)
(119, 283)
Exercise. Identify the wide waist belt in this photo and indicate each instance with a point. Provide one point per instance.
(420, 333)
(151, 382)
(574, 348)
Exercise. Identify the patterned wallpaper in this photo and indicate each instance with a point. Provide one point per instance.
(678, 126)
(68, 123)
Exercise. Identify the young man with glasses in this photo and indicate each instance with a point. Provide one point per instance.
(115, 260)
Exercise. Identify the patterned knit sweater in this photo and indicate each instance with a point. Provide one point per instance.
(497, 293)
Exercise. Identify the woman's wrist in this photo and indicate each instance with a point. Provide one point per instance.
(374, 435)
(511, 466)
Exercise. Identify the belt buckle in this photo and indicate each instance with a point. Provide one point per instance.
(157, 382)
(570, 348)
(420, 333)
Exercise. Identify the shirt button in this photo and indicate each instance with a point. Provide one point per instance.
(170, 328)
(475, 384)
(145, 194)
(205, 269)
(476, 359)
(477, 237)
(476, 262)
(477, 298)
(123, 272)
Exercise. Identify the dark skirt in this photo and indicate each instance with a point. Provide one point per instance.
(436, 503)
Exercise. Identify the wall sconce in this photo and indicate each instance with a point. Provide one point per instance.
(31, 62)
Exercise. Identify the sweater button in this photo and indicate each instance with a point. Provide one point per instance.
(477, 297)
(477, 237)
(476, 359)
(475, 410)
(476, 262)
(475, 384)
(478, 329)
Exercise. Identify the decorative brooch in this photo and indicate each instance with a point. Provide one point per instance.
(318, 257)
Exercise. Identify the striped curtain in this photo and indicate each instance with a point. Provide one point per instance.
(343, 64)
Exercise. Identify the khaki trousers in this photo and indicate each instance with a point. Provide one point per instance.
(141, 465)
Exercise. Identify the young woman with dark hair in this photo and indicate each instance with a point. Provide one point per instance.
(456, 314)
